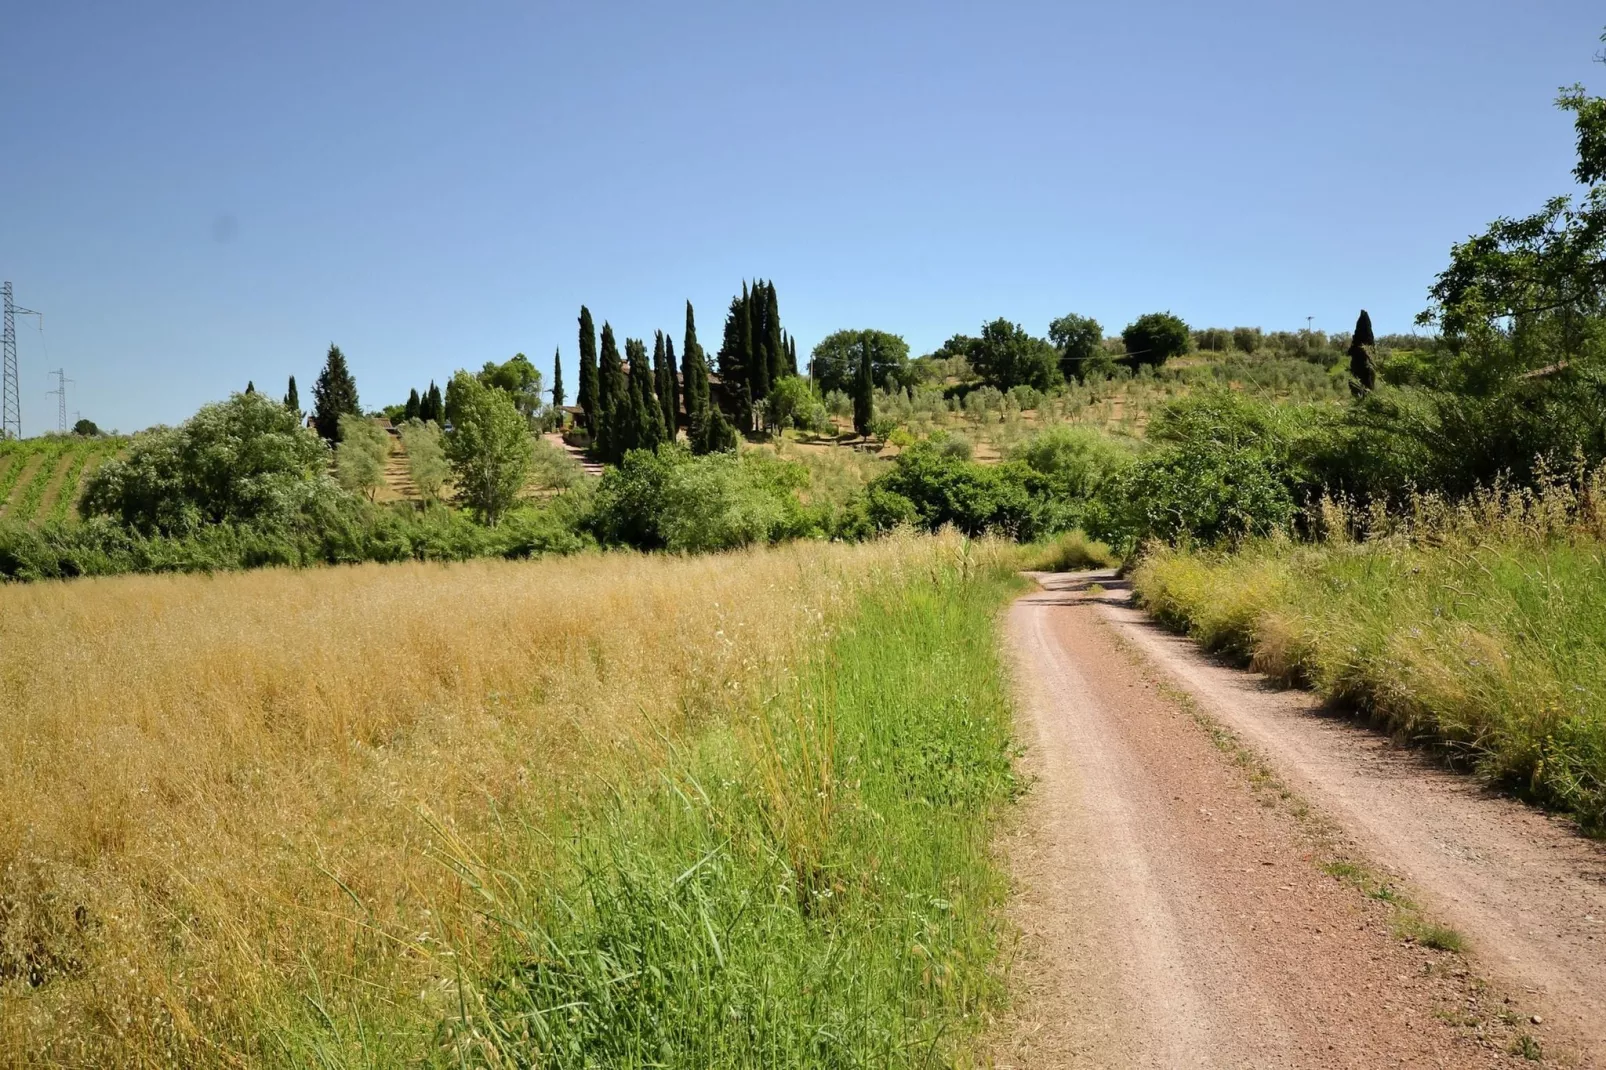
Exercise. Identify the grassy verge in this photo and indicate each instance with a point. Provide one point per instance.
(1069, 552)
(809, 886)
(1489, 648)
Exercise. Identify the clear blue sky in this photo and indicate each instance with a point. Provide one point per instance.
(200, 194)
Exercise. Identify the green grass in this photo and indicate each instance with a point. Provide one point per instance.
(809, 885)
(1070, 552)
(28, 503)
(26, 497)
(1493, 651)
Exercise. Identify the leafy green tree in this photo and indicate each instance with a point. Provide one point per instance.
(1155, 338)
(426, 458)
(1246, 339)
(245, 460)
(557, 379)
(86, 429)
(1080, 341)
(1005, 356)
(792, 403)
(519, 378)
(489, 447)
(414, 406)
(292, 399)
(834, 363)
(333, 395)
(589, 400)
(360, 455)
(864, 391)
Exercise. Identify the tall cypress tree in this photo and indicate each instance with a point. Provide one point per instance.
(250, 387)
(292, 398)
(613, 399)
(333, 395)
(755, 359)
(437, 407)
(864, 392)
(649, 414)
(694, 378)
(588, 371)
(663, 368)
(672, 381)
(414, 404)
(775, 346)
(791, 355)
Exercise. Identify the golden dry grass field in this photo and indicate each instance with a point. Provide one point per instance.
(222, 798)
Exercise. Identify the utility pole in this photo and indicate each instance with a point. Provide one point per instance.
(61, 397)
(10, 395)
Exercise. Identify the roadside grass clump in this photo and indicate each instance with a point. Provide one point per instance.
(805, 886)
(1071, 552)
(1474, 627)
(237, 811)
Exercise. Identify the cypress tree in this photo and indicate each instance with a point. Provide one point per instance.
(864, 392)
(333, 395)
(250, 387)
(590, 401)
(775, 347)
(410, 411)
(663, 368)
(758, 379)
(557, 378)
(672, 381)
(437, 408)
(649, 417)
(791, 355)
(694, 377)
(1361, 347)
(292, 398)
(613, 399)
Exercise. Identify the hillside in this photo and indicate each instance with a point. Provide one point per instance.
(41, 478)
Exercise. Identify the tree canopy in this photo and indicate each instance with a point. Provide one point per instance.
(1080, 341)
(333, 395)
(1155, 338)
(489, 447)
(1005, 356)
(834, 363)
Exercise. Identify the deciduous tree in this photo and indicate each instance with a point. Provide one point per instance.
(489, 447)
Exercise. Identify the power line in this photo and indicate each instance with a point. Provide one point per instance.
(10, 395)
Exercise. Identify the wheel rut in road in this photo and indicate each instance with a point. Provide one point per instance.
(1171, 896)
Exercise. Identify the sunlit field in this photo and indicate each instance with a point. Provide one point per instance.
(225, 801)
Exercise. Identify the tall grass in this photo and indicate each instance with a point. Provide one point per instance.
(244, 818)
(1478, 627)
(808, 886)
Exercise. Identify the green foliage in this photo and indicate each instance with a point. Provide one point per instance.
(292, 398)
(1496, 636)
(86, 429)
(864, 390)
(1080, 341)
(558, 396)
(811, 890)
(360, 455)
(1206, 494)
(245, 460)
(1009, 499)
(663, 366)
(1005, 356)
(793, 403)
(834, 363)
(589, 397)
(426, 457)
(333, 395)
(676, 500)
(413, 409)
(489, 448)
(1155, 338)
(1079, 460)
(517, 378)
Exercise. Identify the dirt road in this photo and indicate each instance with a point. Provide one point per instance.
(1189, 898)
